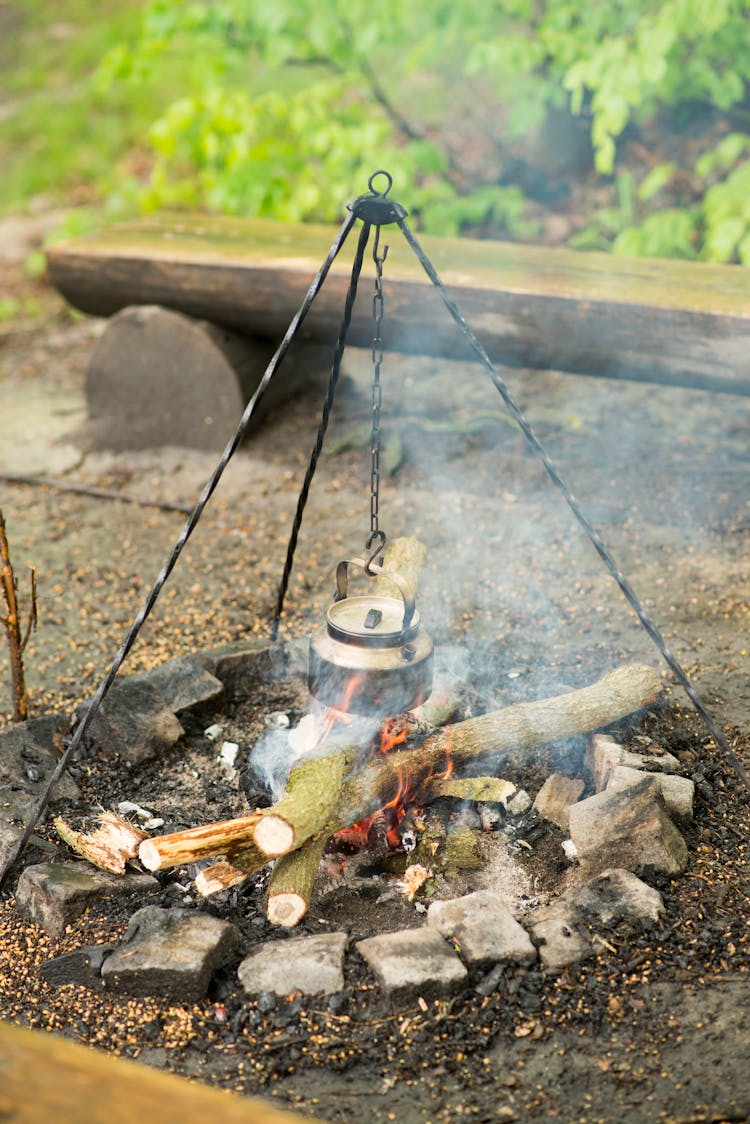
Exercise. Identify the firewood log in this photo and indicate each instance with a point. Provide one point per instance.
(227, 837)
(291, 884)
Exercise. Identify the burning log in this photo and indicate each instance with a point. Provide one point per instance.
(229, 838)
(316, 802)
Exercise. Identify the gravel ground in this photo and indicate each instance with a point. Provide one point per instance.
(658, 1030)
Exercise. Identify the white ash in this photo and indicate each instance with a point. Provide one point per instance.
(147, 820)
(214, 732)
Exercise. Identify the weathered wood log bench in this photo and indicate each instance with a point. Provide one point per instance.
(202, 302)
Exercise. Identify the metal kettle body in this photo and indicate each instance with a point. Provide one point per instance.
(374, 656)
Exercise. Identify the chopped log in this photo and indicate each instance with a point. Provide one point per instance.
(308, 803)
(672, 322)
(292, 878)
(196, 377)
(220, 876)
(408, 557)
(113, 843)
(488, 789)
(316, 802)
(227, 837)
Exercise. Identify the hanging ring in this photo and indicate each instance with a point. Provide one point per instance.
(388, 176)
(375, 207)
(380, 536)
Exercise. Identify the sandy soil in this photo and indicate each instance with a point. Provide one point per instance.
(515, 593)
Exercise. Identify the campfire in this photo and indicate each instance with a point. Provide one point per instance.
(412, 795)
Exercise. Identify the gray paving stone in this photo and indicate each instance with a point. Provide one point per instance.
(82, 966)
(678, 792)
(414, 962)
(53, 895)
(555, 797)
(15, 809)
(184, 683)
(603, 754)
(616, 895)
(28, 755)
(554, 929)
(627, 827)
(484, 929)
(170, 952)
(313, 965)
(134, 721)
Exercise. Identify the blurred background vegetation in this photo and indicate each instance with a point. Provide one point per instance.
(618, 125)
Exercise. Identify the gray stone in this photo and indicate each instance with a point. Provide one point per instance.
(555, 797)
(678, 793)
(82, 966)
(170, 952)
(519, 803)
(414, 962)
(603, 754)
(627, 828)
(554, 930)
(484, 929)
(16, 807)
(616, 895)
(133, 721)
(241, 664)
(53, 895)
(29, 752)
(184, 683)
(313, 965)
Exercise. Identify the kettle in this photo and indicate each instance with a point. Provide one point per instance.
(374, 657)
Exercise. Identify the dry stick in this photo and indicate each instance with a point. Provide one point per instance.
(96, 493)
(113, 843)
(318, 804)
(16, 642)
(228, 837)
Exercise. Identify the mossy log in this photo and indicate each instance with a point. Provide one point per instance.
(291, 885)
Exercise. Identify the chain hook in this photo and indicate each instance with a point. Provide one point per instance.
(380, 536)
(378, 258)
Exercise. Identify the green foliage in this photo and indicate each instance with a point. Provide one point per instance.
(283, 107)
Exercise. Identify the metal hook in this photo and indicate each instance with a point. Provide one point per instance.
(380, 535)
(379, 259)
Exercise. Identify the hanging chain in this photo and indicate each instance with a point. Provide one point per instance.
(376, 538)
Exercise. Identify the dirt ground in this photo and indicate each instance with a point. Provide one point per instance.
(657, 1026)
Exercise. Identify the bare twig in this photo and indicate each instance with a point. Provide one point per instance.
(12, 626)
(96, 493)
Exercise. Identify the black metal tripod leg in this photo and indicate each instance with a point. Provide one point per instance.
(171, 561)
(338, 353)
(593, 535)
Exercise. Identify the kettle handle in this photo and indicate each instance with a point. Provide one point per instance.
(342, 584)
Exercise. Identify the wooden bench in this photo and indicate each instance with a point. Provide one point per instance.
(45, 1078)
(669, 322)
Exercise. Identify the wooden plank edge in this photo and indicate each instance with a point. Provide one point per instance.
(43, 1077)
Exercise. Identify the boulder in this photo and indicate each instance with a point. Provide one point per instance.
(483, 928)
(313, 965)
(54, 894)
(413, 962)
(555, 797)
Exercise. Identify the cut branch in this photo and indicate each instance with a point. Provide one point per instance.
(11, 624)
(228, 837)
(309, 802)
(292, 878)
